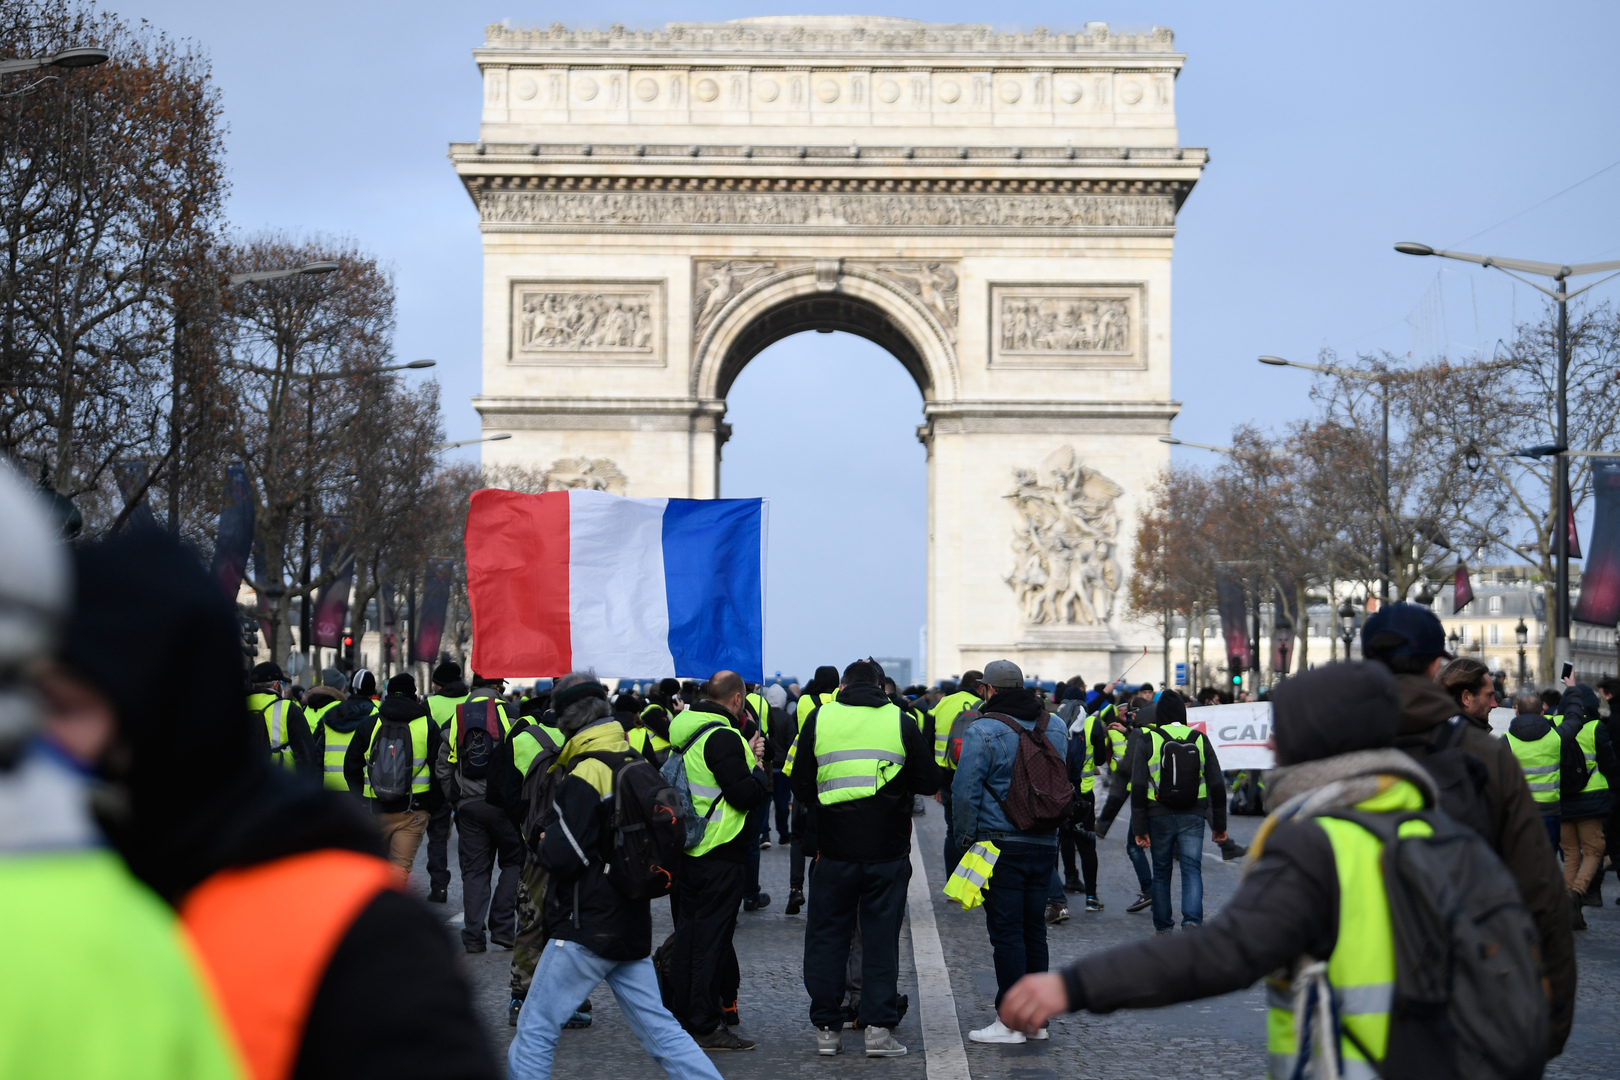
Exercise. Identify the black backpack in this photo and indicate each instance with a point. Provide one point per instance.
(1468, 999)
(1181, 770)
(390, 766)
(1460, 776)
(1040, 795)
(648, 835)
(478, 737)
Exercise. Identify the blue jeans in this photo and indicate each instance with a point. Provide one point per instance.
(1139, 862)
(566, 975)
(1178, 837)
(1015, 913)
(1054, 891)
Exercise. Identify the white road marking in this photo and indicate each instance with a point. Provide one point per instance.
(942, 1033)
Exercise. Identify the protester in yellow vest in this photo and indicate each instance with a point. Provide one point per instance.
(1312, 905)
(964, 698)
(728, 784)
(1539, 748)
(858, 761)
(96, 978)
(288, 732)
(802, 844)
(1584, 803)
(448, 691)
(402, 817)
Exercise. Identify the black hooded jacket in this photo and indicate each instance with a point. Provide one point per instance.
(404, 709)
(876, 828)
(198, 798)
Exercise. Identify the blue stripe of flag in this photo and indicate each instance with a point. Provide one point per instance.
(715, 586)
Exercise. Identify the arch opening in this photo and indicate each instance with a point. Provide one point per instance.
(826, 313)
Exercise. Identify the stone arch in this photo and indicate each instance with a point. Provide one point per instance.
(827, 295)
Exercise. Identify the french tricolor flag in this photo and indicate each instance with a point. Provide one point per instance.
(630, 588)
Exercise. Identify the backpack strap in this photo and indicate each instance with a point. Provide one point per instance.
(699, 733)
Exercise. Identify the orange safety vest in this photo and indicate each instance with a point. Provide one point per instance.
(266, 982)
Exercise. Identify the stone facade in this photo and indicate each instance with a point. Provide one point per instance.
(997, 210)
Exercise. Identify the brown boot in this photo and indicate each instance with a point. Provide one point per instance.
(1577, 916)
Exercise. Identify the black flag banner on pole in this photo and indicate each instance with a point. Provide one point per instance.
(1462, 590)
(1234, 620)
(1599, 604)
(234, 539)
(1574, 537)
(1284, 625)
(332, 605)
(131, 477)
(435, 604)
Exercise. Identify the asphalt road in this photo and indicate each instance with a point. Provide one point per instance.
(1218, 1037)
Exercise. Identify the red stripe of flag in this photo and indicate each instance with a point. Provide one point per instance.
(517, 583)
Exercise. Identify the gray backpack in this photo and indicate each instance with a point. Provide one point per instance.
(390, 767)
(1468, 999)
(674, 771)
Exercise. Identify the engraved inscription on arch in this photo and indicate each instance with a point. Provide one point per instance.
(1061, 325)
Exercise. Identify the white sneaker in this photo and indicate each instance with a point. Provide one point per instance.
(1041, 1035)
(997, 1033)
(880, 1043)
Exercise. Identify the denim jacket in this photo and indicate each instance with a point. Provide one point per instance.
(988, 750)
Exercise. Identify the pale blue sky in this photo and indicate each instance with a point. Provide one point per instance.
(1334, 130)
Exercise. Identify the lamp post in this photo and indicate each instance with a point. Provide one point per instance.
(1347, 626)
(67, 58)
(1521, 634)
(1562, 295)
(1453, 640)
(469, 442)
(232, 281)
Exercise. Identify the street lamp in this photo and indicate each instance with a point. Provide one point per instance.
(67, 58)
(469, 442)
(1562, 295)
(1453, 640)
(1173, 441)
(1425, 596)
(1347, 626)
(277, 275)
(1521, 634)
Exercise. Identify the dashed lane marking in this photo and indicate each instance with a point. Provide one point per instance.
(943, 1052)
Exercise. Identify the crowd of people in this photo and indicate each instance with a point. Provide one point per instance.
(194, 828)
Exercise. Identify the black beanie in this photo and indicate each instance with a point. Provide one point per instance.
(402, 684)
(561, 699)
(447, 672)
(1334, 709)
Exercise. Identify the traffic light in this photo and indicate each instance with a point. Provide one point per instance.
(1237, 678)
(348, 651)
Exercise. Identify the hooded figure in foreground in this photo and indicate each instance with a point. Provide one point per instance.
(280, 882)
(1314, 913)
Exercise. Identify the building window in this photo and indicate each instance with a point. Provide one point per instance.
(1463, 633)
(1496, 634)
(1496, 605)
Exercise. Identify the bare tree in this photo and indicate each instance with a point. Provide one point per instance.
(111, 179)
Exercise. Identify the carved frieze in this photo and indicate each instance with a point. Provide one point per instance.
(591, 474)
(590, 211)
(575, 322)
(1064, 541)
(1048, 324)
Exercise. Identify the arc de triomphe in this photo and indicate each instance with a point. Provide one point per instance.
(996, 210)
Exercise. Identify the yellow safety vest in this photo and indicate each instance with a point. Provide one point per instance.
(723, 821)
(1586, 738)
(1156, 749)
(275, 712)
(540, 737)
(421, 767)
(967, 881)
(762, 709)
(640, 738)
(1361, 969)
(945, 714)
(443, 708)
(1541, 761)
(495, 702)
(858, 750)
(337, 747)
(1088, 779)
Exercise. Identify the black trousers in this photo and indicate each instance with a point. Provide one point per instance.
(782, 796)
(1071, 841)
(485, 835)
(438, 845)
(839, 892)
(801, 847)
(702, 962)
